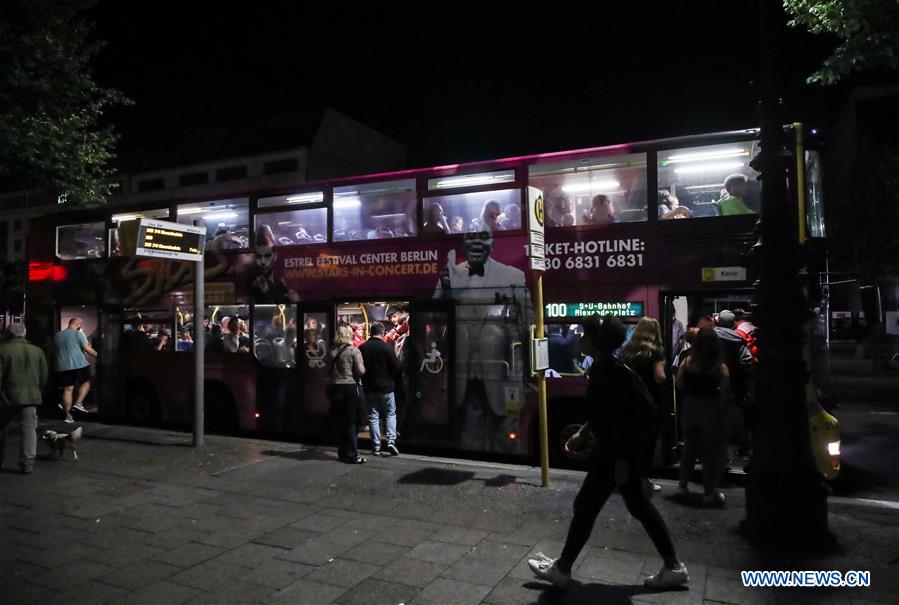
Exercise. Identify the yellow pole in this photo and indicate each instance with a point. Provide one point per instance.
(800, 181)
(541, 388)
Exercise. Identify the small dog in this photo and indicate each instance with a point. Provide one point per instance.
(60, 441)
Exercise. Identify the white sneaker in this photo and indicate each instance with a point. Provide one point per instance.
(547, 569)
(69, 419)
(80, 407)
(668, 578)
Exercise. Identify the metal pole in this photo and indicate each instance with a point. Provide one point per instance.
(199, 350)
(541, 389)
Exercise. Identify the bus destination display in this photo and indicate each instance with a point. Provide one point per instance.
(586, 309)
(164, 239)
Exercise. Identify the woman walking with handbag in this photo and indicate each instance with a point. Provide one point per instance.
(620, 414)
(347, 406)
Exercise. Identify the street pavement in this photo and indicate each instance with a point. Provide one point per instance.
(142, 517)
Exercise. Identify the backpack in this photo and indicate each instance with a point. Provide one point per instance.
(751, 343)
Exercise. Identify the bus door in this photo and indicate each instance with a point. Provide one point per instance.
(109, 383)
(275, 332)
(680, 310)
(90, 327)
(430, 367)
(314, 334)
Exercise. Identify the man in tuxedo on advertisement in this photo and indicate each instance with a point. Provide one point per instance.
(491, 318)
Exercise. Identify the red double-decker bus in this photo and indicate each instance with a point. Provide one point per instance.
(439, 256)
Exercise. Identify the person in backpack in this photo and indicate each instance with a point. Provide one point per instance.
(703, 379)
(620, 412)
(738, 358)
(747, 331)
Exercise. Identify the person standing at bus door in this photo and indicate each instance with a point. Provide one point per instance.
(23, 374)
(736, 186)
(644, 354)
(670, 208)
(347, 406)
(619, 413)
(358, 334)
(703, 379)
(602, 211)
(738, 358)
(398, 334)
(381, 370)
(435, 223)
(72, 367)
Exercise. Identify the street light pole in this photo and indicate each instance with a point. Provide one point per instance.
(785, 495)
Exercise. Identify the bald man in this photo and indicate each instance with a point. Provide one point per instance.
(72, 367)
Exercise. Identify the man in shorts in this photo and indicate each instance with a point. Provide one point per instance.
(72, 367)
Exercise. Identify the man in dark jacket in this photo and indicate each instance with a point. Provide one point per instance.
(381, 367)
(23, 374)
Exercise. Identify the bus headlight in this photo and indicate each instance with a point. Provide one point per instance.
(833, 448)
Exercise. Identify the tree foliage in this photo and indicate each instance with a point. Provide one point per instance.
(867, 32)
(51, 106)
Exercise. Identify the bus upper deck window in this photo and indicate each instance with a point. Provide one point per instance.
(227, 222)
(382, 210)
(87, 240)
(713, 180)
(471, 212)
(593, 191)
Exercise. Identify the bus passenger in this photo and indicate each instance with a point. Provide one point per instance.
(457, 225)
(358, 334)
(562, 349)
(511, 217)
(602, 211)
(436, 224)
(185, 342)
(223, 240)
(379, 383)
(619, 411)
(670, 208)
(347, 407)
(736, 186)
(490, 219)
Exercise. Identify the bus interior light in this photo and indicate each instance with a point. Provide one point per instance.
(182, 211)
(347, 202)
(833, 448)
(220, 215)
(305, 197)
(709, 167)
(700, 156)
(470, 181)
(605, 185)
(712, 186)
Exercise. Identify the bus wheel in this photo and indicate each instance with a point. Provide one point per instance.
(143, 404)
(221, 412)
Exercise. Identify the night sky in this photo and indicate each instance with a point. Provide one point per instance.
(456, 84)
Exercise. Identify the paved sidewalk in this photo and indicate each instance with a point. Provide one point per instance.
(142, 517)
